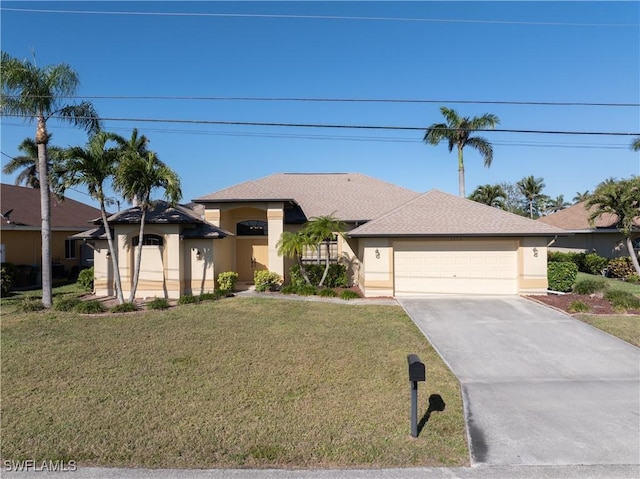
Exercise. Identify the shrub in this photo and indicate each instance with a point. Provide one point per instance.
(289, 289)
(561, 276)
(7, 277)
(227, 281)
(307, 290)
(158, 303)
(90, 307)
(578, 307)
(327, 293)
(590, 285)
(29, 304)
(124, 308)
(210, 296)
(593, 264)
(66, 304)
(295, 277)
(633, 278)
(563, 257)
(266, 281)
(188, 299)
(349, 294)
(336, 276)
(620, 267)
(85, 279)
(622, 299)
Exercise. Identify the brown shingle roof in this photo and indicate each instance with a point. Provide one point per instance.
(351, 196)
(24, 207)
(435, 213)
(576, 218)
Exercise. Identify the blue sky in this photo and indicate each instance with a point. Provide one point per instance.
(580, 52)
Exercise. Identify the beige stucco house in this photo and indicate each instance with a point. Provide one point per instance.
(398, 241)
(601, 237)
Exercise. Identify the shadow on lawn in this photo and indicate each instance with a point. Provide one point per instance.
(436, 403)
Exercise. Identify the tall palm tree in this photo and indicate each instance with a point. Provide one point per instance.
(322, 229)
(492, 195)
(91, 167)
(581, 196)
(556, 204)
(531, 188)
(28, 164)
(35, 93)
(457, 132)
(620, 198)
(135, 147)
(635, 144)
(137, 176)
(293, 245)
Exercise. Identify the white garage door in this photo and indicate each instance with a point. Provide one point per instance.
(453, 267)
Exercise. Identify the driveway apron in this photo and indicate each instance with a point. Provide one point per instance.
(539, 387)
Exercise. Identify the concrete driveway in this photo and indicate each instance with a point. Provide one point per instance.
(539, 387)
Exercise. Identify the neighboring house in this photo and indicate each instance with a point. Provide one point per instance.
(398, 242)
(178, 253)
(21, 236)
(601, 237)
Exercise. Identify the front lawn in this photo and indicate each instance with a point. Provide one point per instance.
(625, 327)
(237, 382)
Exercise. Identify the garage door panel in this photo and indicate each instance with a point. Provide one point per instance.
(482, 267)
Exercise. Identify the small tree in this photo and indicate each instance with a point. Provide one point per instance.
(292, 245)
(322, 229)
(531, 188)
(492, 195)
(622, 199)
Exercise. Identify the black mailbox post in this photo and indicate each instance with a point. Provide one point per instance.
(416, 373)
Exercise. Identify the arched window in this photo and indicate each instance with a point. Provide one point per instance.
(149, 240)
(252, 228)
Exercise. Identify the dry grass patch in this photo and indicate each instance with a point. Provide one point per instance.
(241, 382)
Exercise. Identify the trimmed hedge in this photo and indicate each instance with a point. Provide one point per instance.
(561, 276)
(266, 281)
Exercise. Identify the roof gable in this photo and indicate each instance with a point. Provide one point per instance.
(349, 196)
(435, 213)
(576, 218)
(21, 207)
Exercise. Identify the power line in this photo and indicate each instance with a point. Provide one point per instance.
(339, 126)
(340, 100)
(319, 17)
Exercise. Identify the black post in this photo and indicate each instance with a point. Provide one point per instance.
(414, 408)
(416, 373)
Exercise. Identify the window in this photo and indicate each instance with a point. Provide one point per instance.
(70, 249)
(149, 240)
(252, 228)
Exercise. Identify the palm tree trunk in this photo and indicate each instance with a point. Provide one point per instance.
(114, 260)
(303, 271)
(136, 270)
(461, 187)
(326, 268)
(42, 139)
(634, 256)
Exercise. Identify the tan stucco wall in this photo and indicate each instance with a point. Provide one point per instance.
(376, 269)
(24, 247)
(199, 272)
(608, 245)
(532, 266)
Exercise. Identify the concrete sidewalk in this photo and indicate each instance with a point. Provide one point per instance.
(539, 387)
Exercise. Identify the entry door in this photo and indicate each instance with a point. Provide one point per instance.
(251, 255)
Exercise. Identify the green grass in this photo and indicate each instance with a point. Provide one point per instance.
(613, 284)
(625, 327)
(240, 382)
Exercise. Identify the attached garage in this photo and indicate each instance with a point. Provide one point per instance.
(465, 266)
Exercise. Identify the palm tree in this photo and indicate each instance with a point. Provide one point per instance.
(622, 199)
(91, 167)
(293, 245)
(531, 189)
(321, 229)
(135, 147)
(456, 131)
(28, 164)
(35, 93)
(635, 144)
(137, 176)
(492, 195)
(556, 204)
(581, 196)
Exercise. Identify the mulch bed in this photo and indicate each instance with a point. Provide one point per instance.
(597, 304)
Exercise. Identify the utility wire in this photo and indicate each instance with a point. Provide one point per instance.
(340, 126)
(319, 17)
(337, 100)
